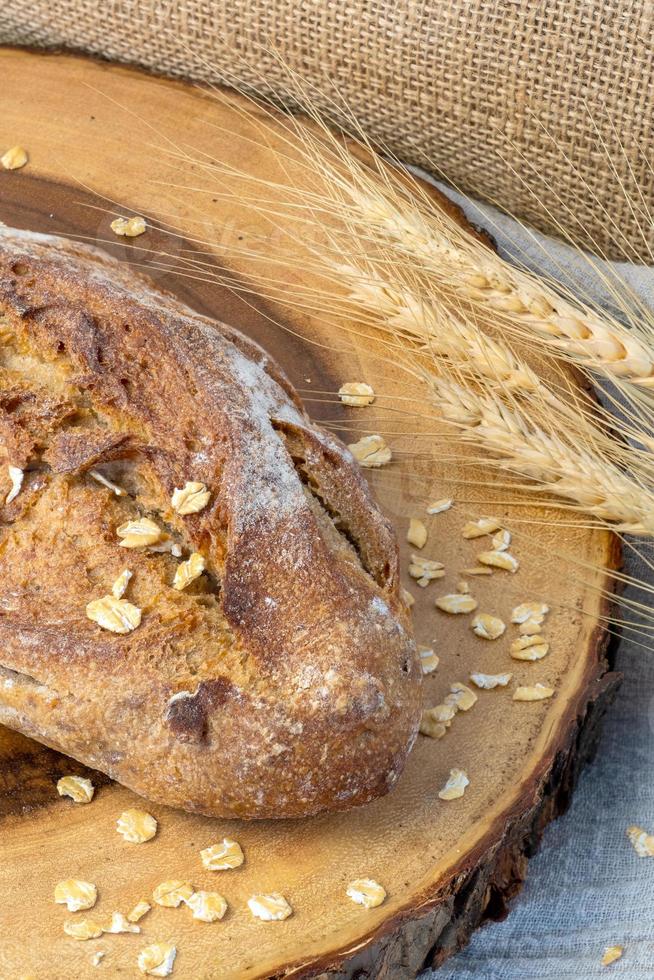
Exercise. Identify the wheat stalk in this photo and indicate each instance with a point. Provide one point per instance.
(592, 471)
(575, 461)
(377, 207)
(428, 279)
(374, 200)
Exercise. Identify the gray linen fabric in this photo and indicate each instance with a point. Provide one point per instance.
(586, 889)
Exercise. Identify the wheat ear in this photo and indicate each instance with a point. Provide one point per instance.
(461, 265)
(520, 446)
(449, 335)
(470, 351)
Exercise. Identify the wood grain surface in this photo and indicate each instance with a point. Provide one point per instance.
(99, 140)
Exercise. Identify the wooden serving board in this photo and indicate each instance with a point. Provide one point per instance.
(98, 134)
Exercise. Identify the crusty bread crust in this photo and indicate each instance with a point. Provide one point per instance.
(284, 680)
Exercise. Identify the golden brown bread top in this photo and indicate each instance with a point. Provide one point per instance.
(291, 651)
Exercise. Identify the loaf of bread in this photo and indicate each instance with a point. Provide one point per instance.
(198, 595)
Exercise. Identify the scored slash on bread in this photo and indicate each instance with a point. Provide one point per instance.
(283, 679)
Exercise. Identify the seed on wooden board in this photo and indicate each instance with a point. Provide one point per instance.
(480, 527)
(356, 394)
(488, 627)
(455, 786)
(157, 960)
(75, 894)
(428, 660)
(461, 697)
(366, 892)
(539, 692)
(533, 647)
(270, 908)
(14, 158)
(499, 559)
(501, 540)
(488, 682)
(421, 567)
(171, 894)
(430, 727)
(417, 533)
(528, 610)
(80, 790)
(136, 826)
(456, 603)
(440, 506)
(128, 227)
(371, 451)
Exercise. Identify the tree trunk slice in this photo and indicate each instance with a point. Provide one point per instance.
(95, 134)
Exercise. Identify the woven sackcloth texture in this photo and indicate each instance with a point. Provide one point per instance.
(586, 889)
(543, 106)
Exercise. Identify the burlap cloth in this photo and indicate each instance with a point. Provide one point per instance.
(544, 106)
